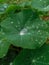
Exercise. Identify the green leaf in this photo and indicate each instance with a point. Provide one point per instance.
(3, 8)
(33, 57)
(24, 29)
(24, 3)
(4, 45)
(41, 5)
(11, 8)
(4, 1)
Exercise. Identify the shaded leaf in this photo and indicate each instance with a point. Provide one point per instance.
(41, 5)
(4, 45)
(33, 57)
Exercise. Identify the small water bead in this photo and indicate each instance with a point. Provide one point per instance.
(2, 9)
(42, 56)
(47, 7)
(48, 63)
(1, 30)
(47, 33)
(37, 27)
(48, 51)
(5, 5)
(38, 58)
(18, 22)
(33, 26)
(39, 31)
(2, 44)
(12, 22)
(45, 2)
(39, 42)
(11, 63)
(33, 60)
(41, 25)
(0, 41)
(29, 33)
(40, 0)
(3, 55)
(36, 40)
(16, 26)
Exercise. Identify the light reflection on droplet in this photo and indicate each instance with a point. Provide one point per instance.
(11, 63)
(23, 31)
(40, 0)
(33, 60)
(12, 22)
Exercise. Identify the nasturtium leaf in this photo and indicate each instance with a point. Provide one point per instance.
(25, 3)
(3, 8)
(4, 45)
(41, 5)
(25, 29)
(33, 57)
(12, 8)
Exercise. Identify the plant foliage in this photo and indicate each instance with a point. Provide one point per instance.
(25, 24)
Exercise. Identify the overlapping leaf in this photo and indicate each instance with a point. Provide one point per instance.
(4, 45)
(33, 57)
(3, 8)
(41, 5)
(24, 29)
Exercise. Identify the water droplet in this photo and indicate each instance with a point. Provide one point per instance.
(48, 51)
(39, 31)
(23, 31)
(39, 42)
(33, 60)
(1, 30)
(2, 9)
(38, 58)
(11, 63)
(46, 7)
(16, 26)
(36, 40)
(37, 27)
(0, 41)
(3, 55)
(45, 2)
(42, 56)
(40, 0)
(33, 26)
(5, 5)
(3, 33)
(12, 22)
